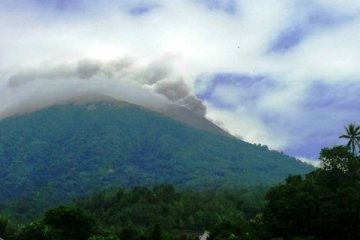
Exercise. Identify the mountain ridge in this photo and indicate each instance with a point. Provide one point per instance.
(69, 150)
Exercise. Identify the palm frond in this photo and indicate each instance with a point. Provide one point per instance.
(344, 136)
(353, 135)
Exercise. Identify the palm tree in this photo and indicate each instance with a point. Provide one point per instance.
(353, 134)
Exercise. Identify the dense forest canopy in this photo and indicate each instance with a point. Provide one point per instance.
(321, 205)
(66, 151)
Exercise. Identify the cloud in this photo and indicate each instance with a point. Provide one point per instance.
(314, 162)
(229, 90)
(178, 92)
(153, 85)
(142, 8)
(280, 72)
(311, 19)
(289, 38)
(227, 6)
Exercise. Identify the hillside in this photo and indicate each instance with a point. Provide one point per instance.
(69, 150)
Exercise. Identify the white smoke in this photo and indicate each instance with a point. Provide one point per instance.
(153, 85)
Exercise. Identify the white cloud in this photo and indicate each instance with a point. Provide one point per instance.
(246, 125)
(311, 161)
(197, 41)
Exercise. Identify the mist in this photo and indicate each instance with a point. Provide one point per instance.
(267, 64)
(154, 84)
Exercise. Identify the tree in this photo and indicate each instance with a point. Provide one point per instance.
(156, 233)
(6, 231)
(70, 223)
(336, 159)
(353, 134)
(323, 205)
(35, 231)
(127, 233)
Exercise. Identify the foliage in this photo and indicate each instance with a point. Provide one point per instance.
(53, 155)
(232, 230)
(336, 160)
(60, 223)
(163, 207)
(151, 214)
(35, 231)
(353, 135)
(70, 223)
(6, 228)
(323, 205)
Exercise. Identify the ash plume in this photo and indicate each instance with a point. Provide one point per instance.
(151, 85)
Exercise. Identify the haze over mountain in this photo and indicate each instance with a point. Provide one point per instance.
(257, 67)
(68, 150)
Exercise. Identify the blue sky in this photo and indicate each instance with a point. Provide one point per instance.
(284, 73)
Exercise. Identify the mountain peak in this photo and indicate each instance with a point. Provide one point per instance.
(171, 110)
(69, 150)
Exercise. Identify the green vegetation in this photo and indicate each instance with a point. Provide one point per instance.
(353, 134)
(323, 205)
(53, 155)
(144, 213)
(181, 211)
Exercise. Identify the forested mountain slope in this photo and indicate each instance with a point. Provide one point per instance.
(65, 151)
